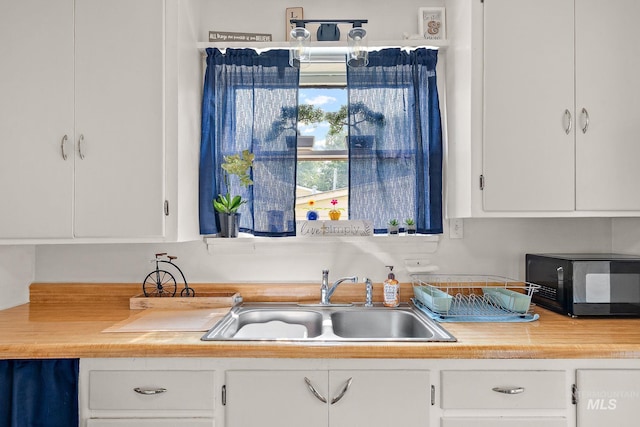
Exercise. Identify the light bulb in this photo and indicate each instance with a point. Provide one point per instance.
(358, 53)
(299, 52)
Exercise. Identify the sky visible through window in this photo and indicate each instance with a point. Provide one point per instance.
(329, 100)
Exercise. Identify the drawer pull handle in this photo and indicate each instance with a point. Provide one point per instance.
(313, 390)
(149, 391)
(508, 390)
(343, 391)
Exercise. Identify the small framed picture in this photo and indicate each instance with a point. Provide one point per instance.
(431, 23)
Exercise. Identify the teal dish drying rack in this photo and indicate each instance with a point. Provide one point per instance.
(473, 298)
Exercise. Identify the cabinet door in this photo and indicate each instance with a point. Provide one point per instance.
(608, 89)
(275, 398)
(608, 398)
(36, 113)
(505, 422)
(528, 157)
(119, 182)
(380, 398)
(151, 422)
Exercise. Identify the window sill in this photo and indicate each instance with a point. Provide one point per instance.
(246, 243)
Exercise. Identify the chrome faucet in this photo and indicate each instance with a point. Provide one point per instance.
(369, 294)
(326, 292)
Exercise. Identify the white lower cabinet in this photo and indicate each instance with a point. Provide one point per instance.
(155, 422)
(333, 398)
(146, 392)
(521, 398)
(504, 422)
(608, 397)
(504, 390)
(252, 392)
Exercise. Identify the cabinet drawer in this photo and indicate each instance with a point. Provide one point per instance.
(155, 422)
(505, 422)
(482, 390)
(167, 390)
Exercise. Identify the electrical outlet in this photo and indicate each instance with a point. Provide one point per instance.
(456, 228)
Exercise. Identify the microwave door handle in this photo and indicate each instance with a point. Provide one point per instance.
(560, 271)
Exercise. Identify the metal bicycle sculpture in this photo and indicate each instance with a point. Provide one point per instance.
(161, 283)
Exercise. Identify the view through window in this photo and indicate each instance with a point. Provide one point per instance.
(323, 167)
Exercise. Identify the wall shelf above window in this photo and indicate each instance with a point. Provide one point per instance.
(332, 46)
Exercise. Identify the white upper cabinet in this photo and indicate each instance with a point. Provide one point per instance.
(542, 114)
(607, 105)
(119, 92)
(528, 98)
(36, 119)
(101, 117)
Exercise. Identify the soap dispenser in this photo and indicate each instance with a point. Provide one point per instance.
(391, 289)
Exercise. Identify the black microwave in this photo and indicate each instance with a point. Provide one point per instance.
(586, 284)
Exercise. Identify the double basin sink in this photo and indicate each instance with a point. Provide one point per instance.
(319, 323)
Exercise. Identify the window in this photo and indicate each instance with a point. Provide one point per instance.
(323, 165)
(394, 160)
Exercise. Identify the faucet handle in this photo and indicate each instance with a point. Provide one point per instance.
(369, 292)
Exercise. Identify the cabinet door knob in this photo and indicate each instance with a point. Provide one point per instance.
(64, 139)
(508, 390)
(149, 391)
(313, 390)
(343, 391)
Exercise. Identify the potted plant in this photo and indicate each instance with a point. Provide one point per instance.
(393, 226)
(411, 225)
(334, 213)
(227, 205)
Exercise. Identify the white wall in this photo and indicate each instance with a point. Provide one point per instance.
(490, 246)
(387, 19)
(17, 270)
(626, 236)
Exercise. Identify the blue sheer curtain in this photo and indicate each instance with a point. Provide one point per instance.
(395, 140)
(39, 393)
(250, 102)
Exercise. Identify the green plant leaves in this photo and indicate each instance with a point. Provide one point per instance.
(228, 204)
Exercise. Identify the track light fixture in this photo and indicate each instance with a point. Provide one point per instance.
(357, 55)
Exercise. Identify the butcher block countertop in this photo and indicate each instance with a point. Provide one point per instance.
(68, 320)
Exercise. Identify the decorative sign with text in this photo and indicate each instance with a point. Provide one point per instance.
(334, 228)
(226, 36)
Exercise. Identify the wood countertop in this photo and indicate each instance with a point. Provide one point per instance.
(67, 320)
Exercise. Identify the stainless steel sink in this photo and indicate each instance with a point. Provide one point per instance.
(247, 322)
(379, 323)
(291, 322)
